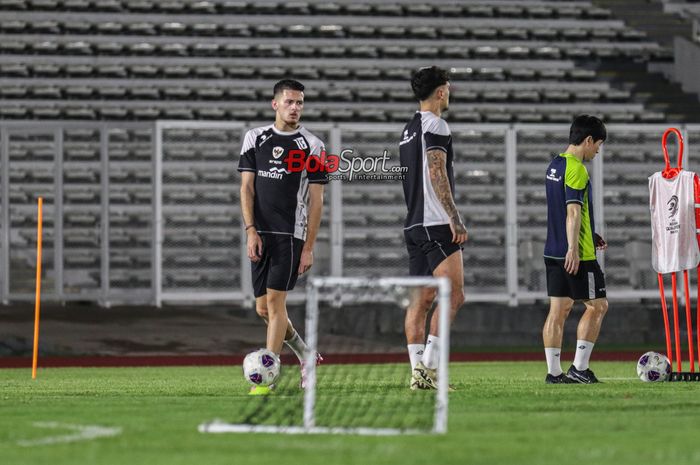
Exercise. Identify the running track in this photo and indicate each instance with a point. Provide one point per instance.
(229, 360)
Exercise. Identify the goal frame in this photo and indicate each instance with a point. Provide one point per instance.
(442, 284)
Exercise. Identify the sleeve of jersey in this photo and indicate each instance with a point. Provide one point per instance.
(317, 176)
(437, 136)
(247, 160)
(575, 183)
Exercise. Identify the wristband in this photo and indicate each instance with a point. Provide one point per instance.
(249, 226)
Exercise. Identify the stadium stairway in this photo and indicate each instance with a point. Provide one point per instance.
(657, 92)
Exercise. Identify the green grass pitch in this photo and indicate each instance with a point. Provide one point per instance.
(502, 413)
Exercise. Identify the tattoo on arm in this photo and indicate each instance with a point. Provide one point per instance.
(437, 161)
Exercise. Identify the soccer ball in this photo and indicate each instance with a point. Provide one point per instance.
(653, 367)
(261, 367)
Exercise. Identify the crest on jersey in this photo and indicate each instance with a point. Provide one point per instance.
(672, 206)
(277, 152)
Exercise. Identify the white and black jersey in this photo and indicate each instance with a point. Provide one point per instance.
(424, 132)
(281, 196)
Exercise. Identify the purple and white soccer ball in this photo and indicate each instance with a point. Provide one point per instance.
(261, 368)
(653, 367)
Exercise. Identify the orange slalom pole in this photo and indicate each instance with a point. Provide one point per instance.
(689, 321)
(697, 318)
(676, 327)
(37, 299)
(669, 352)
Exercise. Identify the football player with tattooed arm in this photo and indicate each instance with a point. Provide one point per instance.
(282, 213)
(434, 230)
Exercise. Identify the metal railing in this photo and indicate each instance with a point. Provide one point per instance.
(149, 212)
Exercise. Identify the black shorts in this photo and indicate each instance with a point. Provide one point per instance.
(428, 247)
(279, 265)
(587, 284)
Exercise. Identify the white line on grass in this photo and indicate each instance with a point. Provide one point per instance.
(81, 433)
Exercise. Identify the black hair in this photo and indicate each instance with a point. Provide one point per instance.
(288, 84)
(426, 80)
(584, 126)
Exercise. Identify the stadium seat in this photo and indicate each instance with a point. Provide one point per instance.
(109, 28)
(365, 31)
(267, 30)
(44, 27)
(540, 11)
(543, 33)
(275, 72)
(514, 34)
(45, 112)
(13, 92)
(517, 52)
(236, 30)
(326, 8)
(141, 29)
(457, 51)
(47, 92)
(480, 11)
(109, 48)
(426, 51)
(45, 47)
(111, 92)
(358, 9)
(77, 27)
(484, 33)
(14, 26)
(115, 71)
(330, 31)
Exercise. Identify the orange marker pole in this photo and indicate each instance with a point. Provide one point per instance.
(37, 300)
(689, 322)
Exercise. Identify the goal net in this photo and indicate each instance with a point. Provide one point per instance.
(362, 385)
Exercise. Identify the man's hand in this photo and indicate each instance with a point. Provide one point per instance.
(459, 232)
(307, 259)
(599, 242)
(572, 261)
(255, 245)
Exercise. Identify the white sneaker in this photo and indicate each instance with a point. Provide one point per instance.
(302, 366)
(423, 377)
(426, 378)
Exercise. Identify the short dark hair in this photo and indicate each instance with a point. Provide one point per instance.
(288, 84)
(426, 80)
(584, 126)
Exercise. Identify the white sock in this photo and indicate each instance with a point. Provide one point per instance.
(415, 352)
(298, 346)
(583, 354)
(432, 352)
(553, 355)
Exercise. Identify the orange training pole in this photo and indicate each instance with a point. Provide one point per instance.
(689, 321)
(37, 301)
(676, 328)
(669, 352)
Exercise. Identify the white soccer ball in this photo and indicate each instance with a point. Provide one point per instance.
(261, 368)
(653, 367)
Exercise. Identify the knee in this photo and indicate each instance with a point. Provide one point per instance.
(427, 299)
(275, 302)
(560, 314)
(457, 299)
(262, 311)
(601, 307)
(424, 300)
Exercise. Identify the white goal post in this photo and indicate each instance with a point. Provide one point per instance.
(313, 297)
